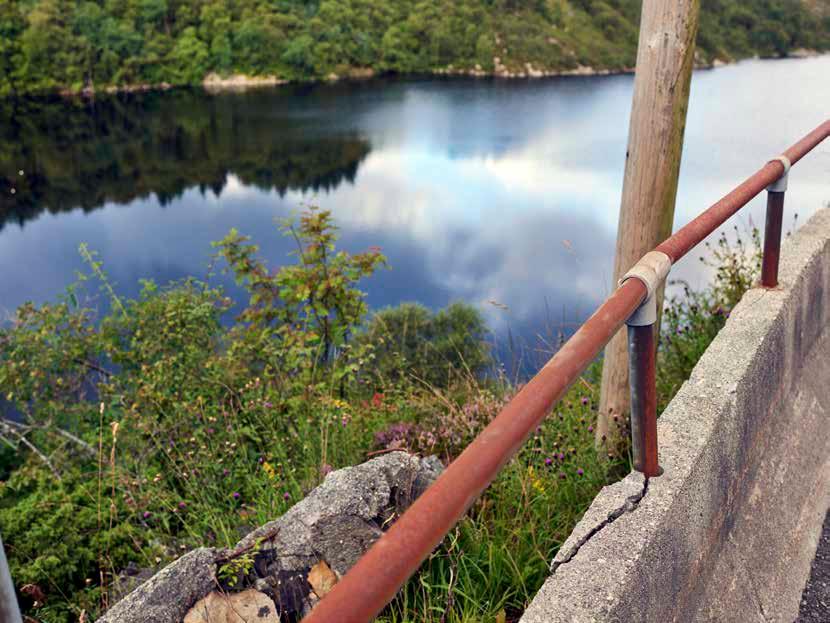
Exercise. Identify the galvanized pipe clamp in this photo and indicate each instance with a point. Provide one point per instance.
(651, 270)
(780, 185)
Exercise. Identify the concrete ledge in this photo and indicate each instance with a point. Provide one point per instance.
(729, 531)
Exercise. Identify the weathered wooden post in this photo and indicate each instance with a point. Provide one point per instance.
(665, 57)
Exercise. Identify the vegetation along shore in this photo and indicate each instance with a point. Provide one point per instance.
(81, 46)
(137, 430)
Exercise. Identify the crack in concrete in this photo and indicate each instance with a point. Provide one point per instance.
(631, 504)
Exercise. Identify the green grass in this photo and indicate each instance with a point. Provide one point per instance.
(156, 428)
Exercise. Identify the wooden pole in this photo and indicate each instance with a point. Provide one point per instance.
(665, 57)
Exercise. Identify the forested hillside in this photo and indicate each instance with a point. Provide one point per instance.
(76, 44)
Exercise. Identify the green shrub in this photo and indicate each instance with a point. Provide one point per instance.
(157, 428)
(409, 342)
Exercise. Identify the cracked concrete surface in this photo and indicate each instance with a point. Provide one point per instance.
(593, 522)
(728, 532)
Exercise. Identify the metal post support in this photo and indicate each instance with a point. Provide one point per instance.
(9, 612)
(642, 366)
(772, 230)
(642, 377)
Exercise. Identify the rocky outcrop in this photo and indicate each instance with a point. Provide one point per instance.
(249, 606)
(169, 594)
(292, 561)
(239, 82)
(336, 523)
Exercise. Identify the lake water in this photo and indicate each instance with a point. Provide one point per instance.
(504, 194)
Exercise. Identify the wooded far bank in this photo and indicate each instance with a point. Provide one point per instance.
(76, 45)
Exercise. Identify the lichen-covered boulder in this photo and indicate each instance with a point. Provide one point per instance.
(170, 593)
(336, 523)
(295, 559)
(249, 606)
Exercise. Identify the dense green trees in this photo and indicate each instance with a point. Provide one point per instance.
(75, 44)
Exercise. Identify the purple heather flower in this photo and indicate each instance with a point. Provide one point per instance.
(561, 456)
(267, 405)
(147, 514)
(579, 472)
(225, 472)
(182, 504)
(236, 495)
(261, 460)
(562, 475)
(590, 429)
(548, 461)
(584, 400)
(286, 496)
(210, 431)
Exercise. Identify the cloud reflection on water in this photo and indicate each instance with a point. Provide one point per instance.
(476, 190)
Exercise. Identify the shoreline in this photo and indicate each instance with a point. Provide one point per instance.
(215, 84)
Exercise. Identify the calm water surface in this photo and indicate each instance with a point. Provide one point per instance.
(499, 193)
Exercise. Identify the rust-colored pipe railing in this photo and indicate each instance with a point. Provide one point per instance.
(376, 577)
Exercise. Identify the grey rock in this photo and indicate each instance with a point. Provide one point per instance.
(337, 522)
(169, 594)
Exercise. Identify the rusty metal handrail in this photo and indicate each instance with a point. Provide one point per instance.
(375, 579)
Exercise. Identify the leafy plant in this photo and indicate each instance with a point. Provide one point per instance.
(160, 424)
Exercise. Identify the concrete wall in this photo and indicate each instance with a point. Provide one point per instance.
(728, 532)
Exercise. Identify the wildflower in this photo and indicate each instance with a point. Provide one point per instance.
(182, 505)
(286, 496)
(147, 514)
(548, 461)
(236, 495)
(210, 431)
(562, 475)
(267, 404)
(561, 456)
(269, 470)
(590, 429)
(325, 469)
(580, 472)
(535, 480)
(584, 400)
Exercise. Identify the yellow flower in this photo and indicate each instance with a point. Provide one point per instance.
(269, 470)
(537, 482)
